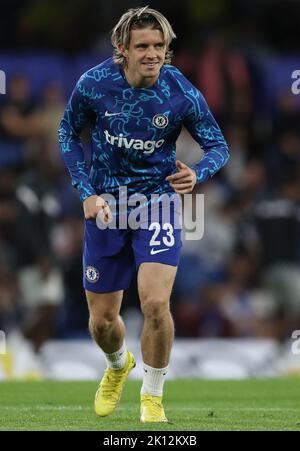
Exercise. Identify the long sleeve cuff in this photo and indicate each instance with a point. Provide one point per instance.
(211, 163)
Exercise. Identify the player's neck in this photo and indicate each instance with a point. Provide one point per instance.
(136, 81)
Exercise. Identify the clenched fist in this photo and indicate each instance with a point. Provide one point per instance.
(184, 180)
(96, 205)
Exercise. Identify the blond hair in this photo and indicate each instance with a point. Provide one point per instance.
(136, 19)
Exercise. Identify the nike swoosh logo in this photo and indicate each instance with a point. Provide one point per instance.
(107, 114)
(153, 251)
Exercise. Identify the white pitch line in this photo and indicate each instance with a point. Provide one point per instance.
(180, 409)
(28, 409)
(242, 409)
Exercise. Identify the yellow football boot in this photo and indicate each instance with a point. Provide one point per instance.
(111, 386)
(152, 410)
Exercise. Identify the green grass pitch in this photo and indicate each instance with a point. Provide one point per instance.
(191, 405)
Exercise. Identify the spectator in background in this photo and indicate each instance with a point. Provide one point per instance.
(8, 298)
(287, 114)
(9, 294)
(284, 157)
(242, 302)
(206, 318)
(223, 77)
(237, 138)
(73, 313)
(275, 241)
(39, 276)
(52, 109)
(19, 121)
(30, 209)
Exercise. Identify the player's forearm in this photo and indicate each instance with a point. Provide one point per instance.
(73, 156)
(212, 162)
(79, 173)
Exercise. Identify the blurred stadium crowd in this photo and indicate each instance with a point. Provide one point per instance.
(241, 280)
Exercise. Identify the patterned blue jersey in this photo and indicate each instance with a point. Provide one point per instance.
(134, 131)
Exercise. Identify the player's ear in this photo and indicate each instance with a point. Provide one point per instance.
(123, 50)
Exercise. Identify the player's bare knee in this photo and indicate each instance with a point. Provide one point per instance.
(155, 309)
(101, 325)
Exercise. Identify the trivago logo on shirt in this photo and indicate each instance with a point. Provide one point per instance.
(120, 141)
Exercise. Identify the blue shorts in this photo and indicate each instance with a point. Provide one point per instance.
(111, 256)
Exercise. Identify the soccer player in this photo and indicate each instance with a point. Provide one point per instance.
(136, 104)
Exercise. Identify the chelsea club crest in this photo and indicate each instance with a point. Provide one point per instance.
(91, 274)
(160, 121)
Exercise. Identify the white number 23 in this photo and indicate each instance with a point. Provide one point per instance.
(167, 240)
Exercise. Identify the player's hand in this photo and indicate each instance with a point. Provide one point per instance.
(96, 205)
(184, 180)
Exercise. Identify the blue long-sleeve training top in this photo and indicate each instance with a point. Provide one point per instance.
(134, 131)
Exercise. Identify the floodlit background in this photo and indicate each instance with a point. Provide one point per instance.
(236, 300)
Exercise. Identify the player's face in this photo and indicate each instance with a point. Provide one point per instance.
(145, 56)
